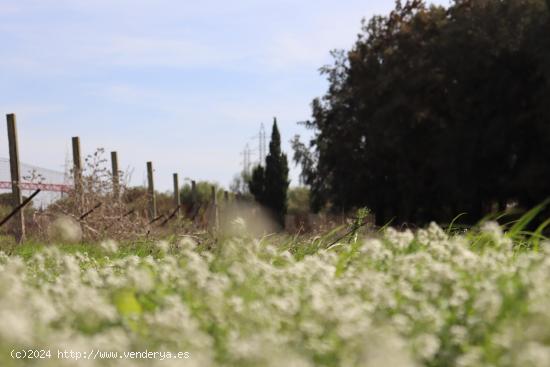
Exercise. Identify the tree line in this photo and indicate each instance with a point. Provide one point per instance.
(435, 111)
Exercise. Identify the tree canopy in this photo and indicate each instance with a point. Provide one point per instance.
(436, 111)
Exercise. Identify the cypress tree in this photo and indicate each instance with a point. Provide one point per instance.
(270, 185)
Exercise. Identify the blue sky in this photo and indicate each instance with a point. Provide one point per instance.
(185, 84)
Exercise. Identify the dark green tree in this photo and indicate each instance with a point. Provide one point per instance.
(256, 185)
(270, 185)
(435, 111)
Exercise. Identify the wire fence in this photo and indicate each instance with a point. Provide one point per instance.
(53, 184)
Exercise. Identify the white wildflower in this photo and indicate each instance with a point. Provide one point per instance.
(109, 246)
(385, 348)
(162, 246)
(426, 346)
(187, 243)
(16, 327)
(140, 278)
(65, 229)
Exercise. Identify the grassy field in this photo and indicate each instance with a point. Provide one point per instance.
(384, 298)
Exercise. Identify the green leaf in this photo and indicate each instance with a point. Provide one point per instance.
(127, 303)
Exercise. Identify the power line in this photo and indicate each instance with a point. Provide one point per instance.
(247, 152)
(261, 147)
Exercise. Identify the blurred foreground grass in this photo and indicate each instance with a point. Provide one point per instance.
(432, 297)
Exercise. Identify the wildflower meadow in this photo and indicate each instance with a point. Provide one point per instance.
(275, 183)
(430, 297)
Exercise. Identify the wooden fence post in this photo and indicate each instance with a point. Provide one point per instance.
(151, 192)
(215, 216)
(226, 210)
(116, 179)
(15, 178)
(177, 199)
(77, 172)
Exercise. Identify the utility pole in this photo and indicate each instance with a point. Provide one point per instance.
(261, 148)
(249, 153)
(246, 159)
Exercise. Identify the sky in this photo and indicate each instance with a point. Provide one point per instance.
(184, 84)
